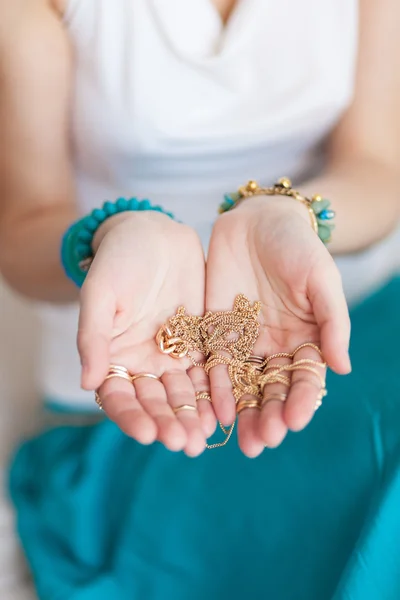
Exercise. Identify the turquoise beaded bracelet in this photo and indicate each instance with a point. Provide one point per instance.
(321, 215)
(76, 246)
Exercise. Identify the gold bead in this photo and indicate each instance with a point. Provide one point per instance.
(252, 186)
(285, 182)
(317, 198)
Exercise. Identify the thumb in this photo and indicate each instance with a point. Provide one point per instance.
(331, 312)
(96, 318)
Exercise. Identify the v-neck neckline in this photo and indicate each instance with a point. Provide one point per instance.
(195, 29)
(225, 23)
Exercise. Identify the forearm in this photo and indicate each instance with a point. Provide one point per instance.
(30, 254)
(36, 177)
(366, 198)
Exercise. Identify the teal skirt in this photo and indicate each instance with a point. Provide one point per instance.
(102, 518)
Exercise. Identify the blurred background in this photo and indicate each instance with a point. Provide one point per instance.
(19, 333)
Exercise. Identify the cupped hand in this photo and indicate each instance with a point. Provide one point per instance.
(266, 249)
(145, 266)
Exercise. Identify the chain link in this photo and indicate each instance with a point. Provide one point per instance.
(228, 338)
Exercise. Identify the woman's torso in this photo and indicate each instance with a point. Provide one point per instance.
(170, 104)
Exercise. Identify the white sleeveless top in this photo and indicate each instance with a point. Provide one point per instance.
(171, 105)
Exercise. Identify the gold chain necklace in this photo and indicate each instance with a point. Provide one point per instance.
(223, 337)
(228, 338)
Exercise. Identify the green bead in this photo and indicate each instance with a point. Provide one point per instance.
(318, 207)
(229, 200)
(325, 223)
(235, 196)
(324, 233)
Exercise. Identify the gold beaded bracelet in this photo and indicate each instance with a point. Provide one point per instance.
(321, 215)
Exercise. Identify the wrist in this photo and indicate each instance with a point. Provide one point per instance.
(318, 208)
(78, 247)
(140, 219)
(275, 206)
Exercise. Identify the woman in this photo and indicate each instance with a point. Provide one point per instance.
(182, 103)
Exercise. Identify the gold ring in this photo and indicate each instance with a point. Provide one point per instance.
(255, 360)
(98, 400)
(258, 362)
(245, 404)
(119, 375)
(144, 375)
(321, 395)
(203, 396)
(113, 371)
(118, 371)
(185, 407)
(118, 368)
(270, 396)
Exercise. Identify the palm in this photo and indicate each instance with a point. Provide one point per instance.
(139, 297)
(261, 258)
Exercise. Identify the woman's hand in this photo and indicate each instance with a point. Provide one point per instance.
(267, 250)
(145, 266)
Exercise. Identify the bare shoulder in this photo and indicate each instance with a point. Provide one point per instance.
(35, 84)
(16, 14)
(27, 26)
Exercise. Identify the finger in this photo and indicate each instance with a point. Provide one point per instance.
(96, 318)
(304, 392)
(332, 315)
(222, 396)
(249, 438)
(180, 393)
(153, 398)
(272, 426)
(120, 404)
(201, 384)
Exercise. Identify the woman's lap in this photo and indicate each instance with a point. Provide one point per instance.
(316, 519)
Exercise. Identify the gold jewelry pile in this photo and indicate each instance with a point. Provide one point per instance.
(228, 338)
